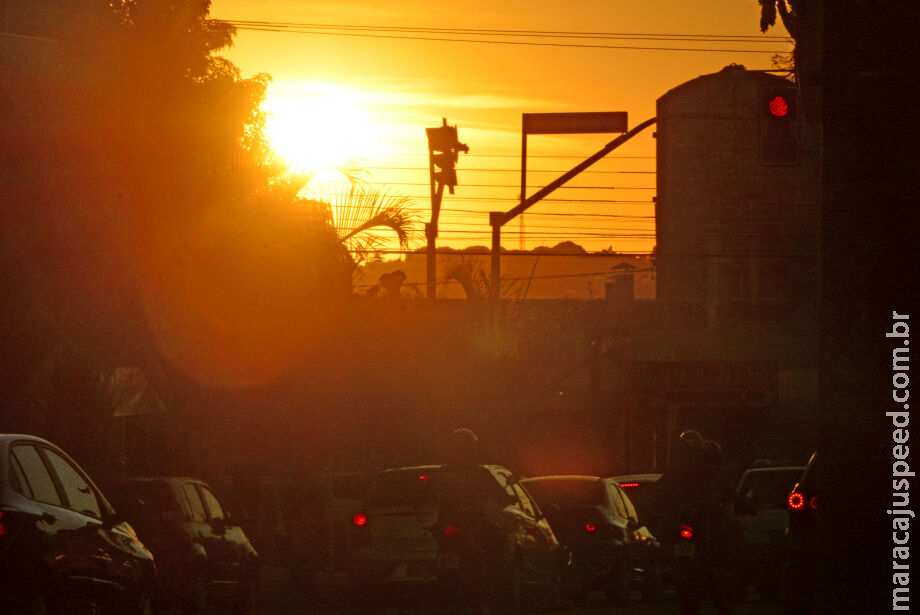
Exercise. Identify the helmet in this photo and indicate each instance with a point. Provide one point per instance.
(464, 445)
(691, 439)
(712, 454)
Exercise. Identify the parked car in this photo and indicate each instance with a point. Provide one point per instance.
(344, 495)
(611, 549)
(762, 498)
(401, 540)
(641, 489)
(802, 542)
(63, 548)
(203, 557)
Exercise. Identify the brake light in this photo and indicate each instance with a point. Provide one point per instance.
(3, 530)
(590, 527)
(628, 485)
(423, 477)
(686, 531)
(450, 530)
(796, 501)
(360, 519)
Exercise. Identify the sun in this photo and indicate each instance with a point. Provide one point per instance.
(317, 126)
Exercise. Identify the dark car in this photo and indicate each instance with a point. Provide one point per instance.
(611, 549)
(63, 548)
(641, 489)
(762, 498)
(203, 557)
(802, 543)
(403, 542)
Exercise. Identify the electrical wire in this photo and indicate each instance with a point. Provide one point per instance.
(387, 32)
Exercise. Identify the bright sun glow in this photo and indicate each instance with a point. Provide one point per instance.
(317, 126)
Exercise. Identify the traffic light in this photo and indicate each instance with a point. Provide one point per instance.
(443, 151)
(779, 126)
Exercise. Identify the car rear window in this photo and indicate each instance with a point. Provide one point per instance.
(350, 487)
(567, 492)
(769, 490)
(403, 488)
(642, 496)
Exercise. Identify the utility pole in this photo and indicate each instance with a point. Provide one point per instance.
(443, 152)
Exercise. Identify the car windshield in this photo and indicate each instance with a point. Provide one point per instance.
(769, 489)
(567, 492)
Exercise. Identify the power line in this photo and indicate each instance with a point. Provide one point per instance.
(345, 183)
(496, 42)
(512, 200)
(376, 168)
(518, 156)
(513, 32)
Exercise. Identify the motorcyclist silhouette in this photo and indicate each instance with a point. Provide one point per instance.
(469, 527)
(708, 573)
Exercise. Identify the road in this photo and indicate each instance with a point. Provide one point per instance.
(281, 597)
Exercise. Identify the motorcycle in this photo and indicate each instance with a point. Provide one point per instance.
(702, 570)
(469, 565)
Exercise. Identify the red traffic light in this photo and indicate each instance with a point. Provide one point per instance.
(778, 106)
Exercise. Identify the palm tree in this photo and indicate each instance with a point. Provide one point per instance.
(360, 214)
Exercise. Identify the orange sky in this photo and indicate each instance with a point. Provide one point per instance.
(376, 95)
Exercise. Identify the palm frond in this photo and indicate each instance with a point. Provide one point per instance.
(361, 208)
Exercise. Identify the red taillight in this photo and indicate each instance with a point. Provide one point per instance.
(796, 501)
(423, 477)
(360, 519)
(686, 531)
(628, 485)
(450, 530)
(3, 529)
(812, 504)
(590, 527)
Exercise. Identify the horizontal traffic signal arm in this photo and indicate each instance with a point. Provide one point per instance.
(504, 218)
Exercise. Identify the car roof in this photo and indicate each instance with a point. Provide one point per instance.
(560, 477)
(782, 469)
(9, 438)
(488, 466)
(157, 479)
(639, 478)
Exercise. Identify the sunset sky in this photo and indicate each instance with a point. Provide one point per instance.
(336, 96)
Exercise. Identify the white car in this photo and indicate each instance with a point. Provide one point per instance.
(761, 507)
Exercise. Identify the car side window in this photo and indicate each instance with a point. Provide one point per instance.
(36, 475)
(618, 505)
(630, 509)
(195, 506)
(80, 494)
(210, 500)
(529, 508)
(18, 479)
(504, 481)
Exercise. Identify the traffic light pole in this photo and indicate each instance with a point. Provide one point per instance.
(431, 234)
(497, 219)
(443, 149)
